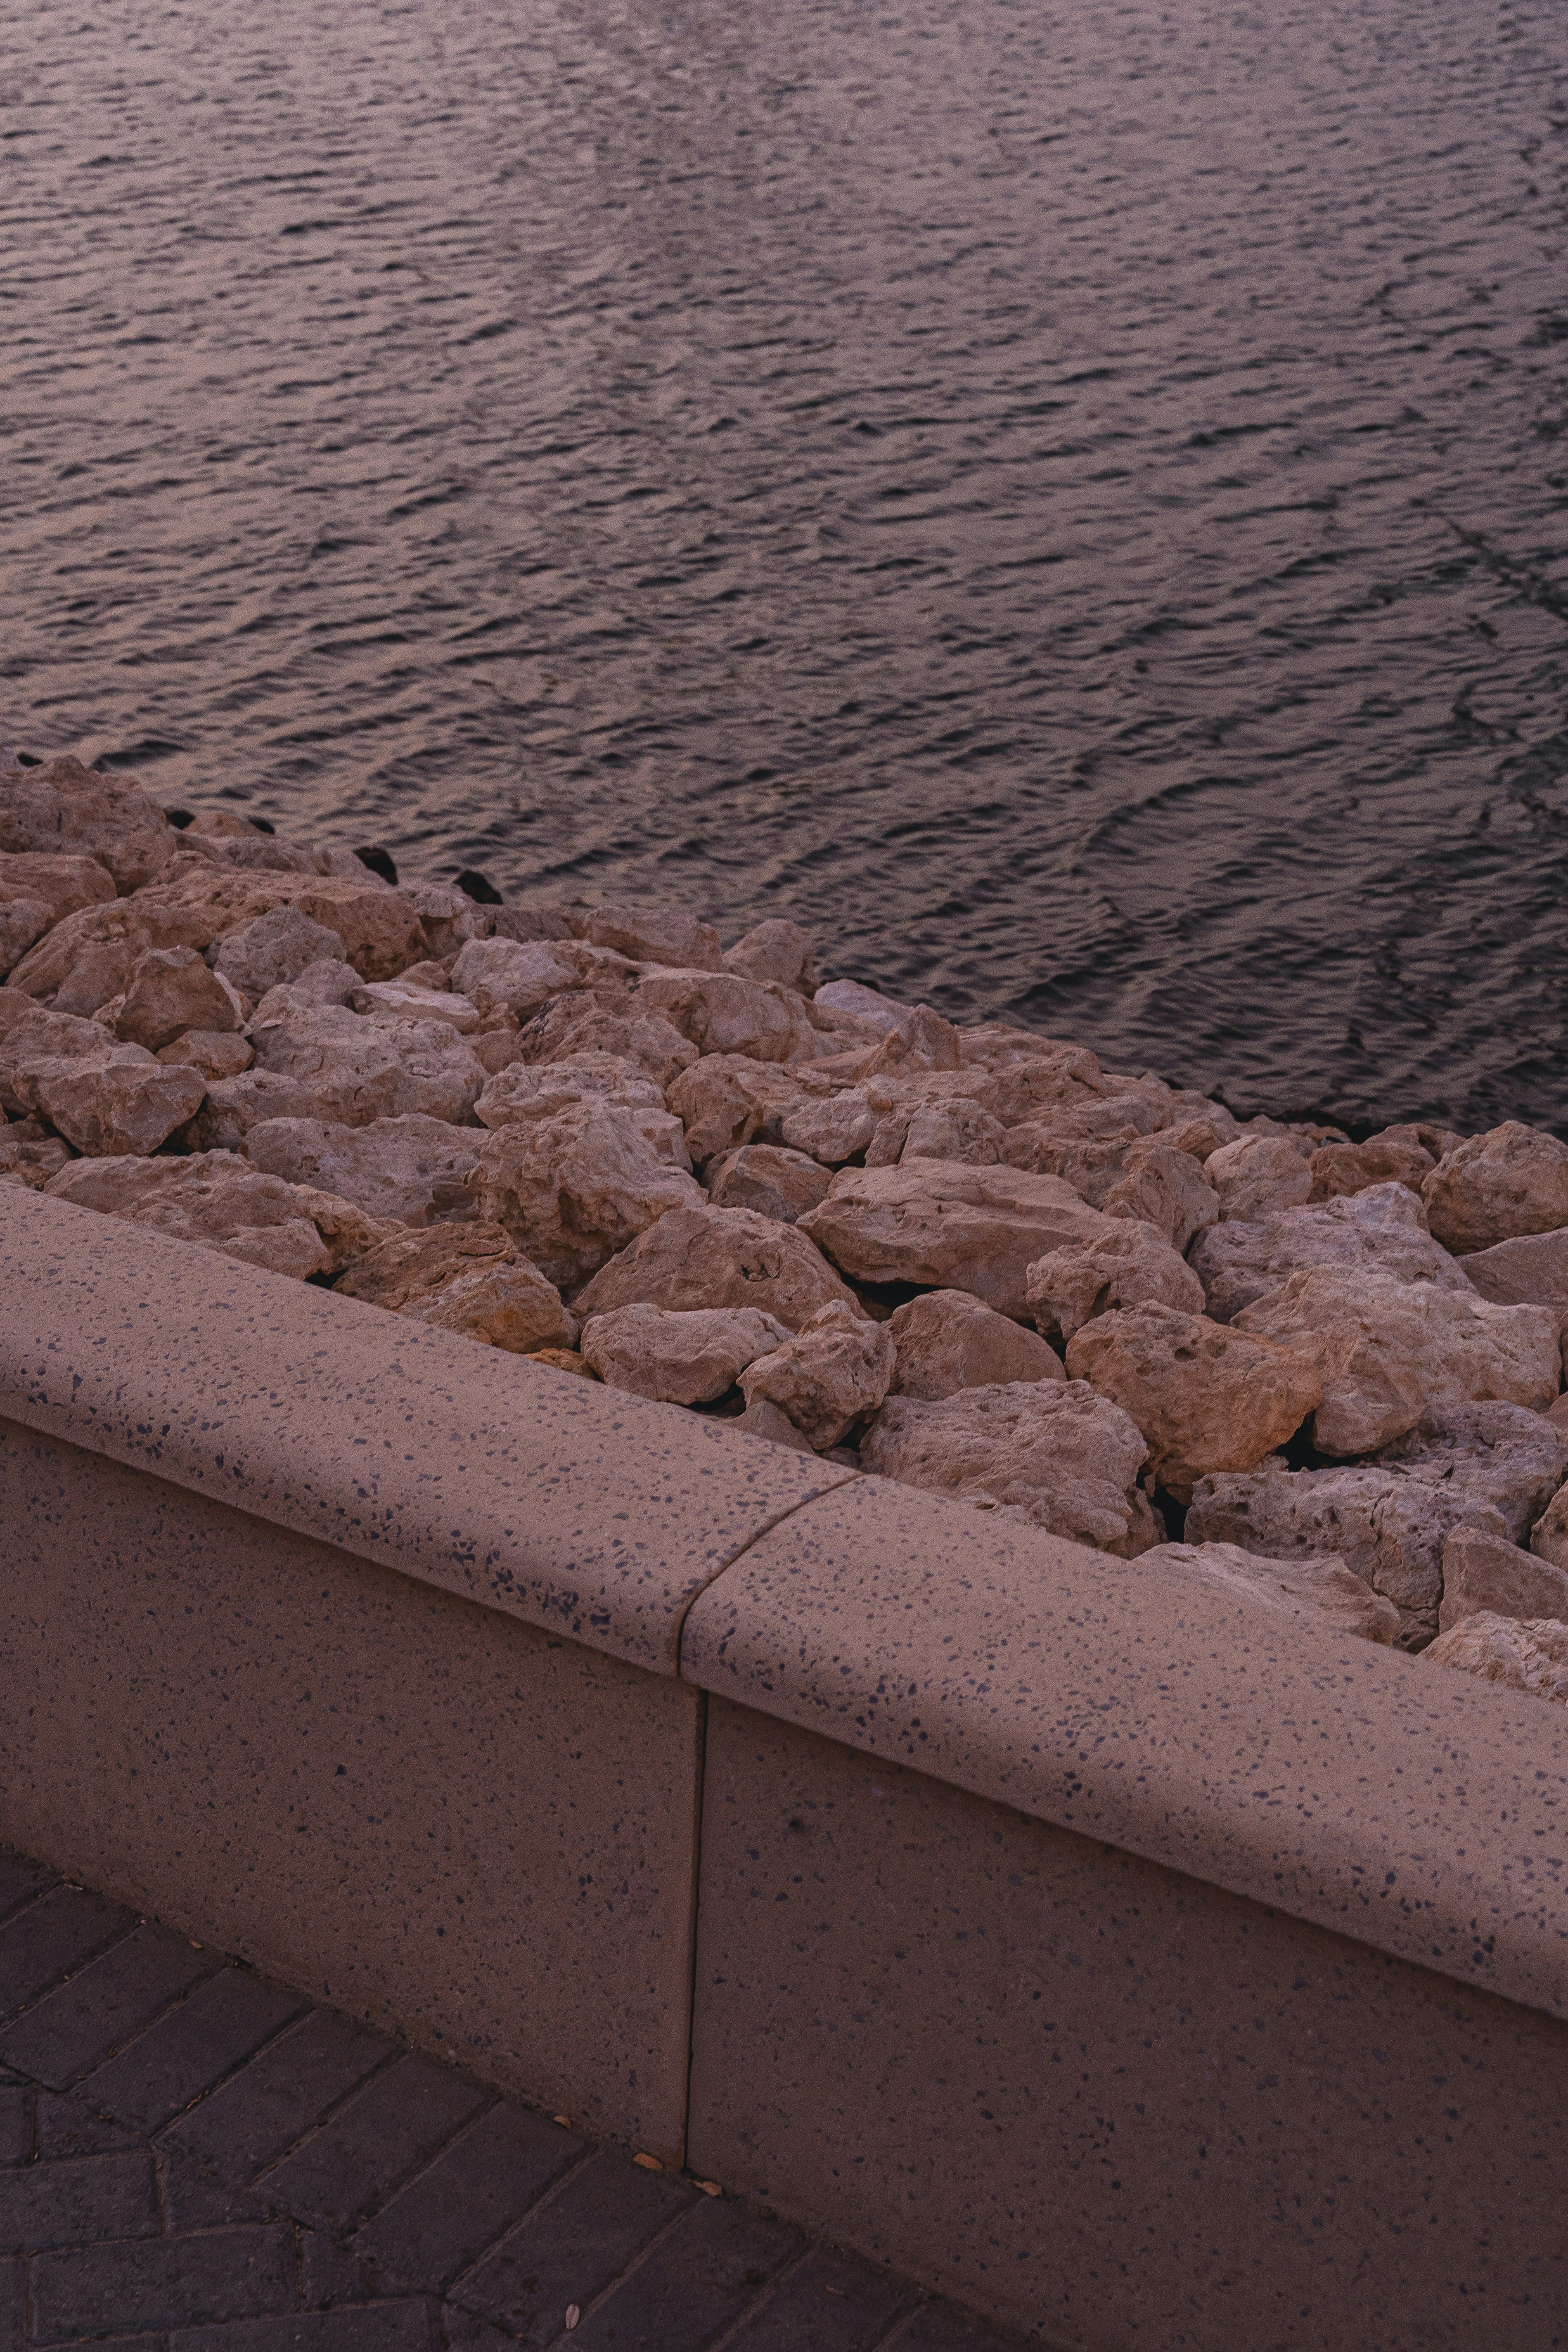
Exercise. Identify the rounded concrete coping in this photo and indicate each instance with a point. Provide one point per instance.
(588, 1512)
(1413, 1807)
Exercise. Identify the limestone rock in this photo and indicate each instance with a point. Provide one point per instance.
(1399, 1155)
(662, 935)
(861, 1003)
(947, 1340)
(541, 918)
(214, 1052)
(1387, 1352)
(678, 1357)
(1485, 1466)
(1530, 1656)
(527, 1090)
(773, 1182)
(378, 930)
(1206, 1397)
(448, 917)
(772, 951)
(594, 1021)
(356, 1070)
(468, 1278)
(1052, 1452)
(722, 1012)
(1381, 1231)
(1510, 1181)
(956, 1128)
(30, 1160)
(1482, 1570)
(946, 1225)
(398, 1000)
(170, 991)
(718, 1258)
(413, 1169)
(1258, 1176)
(832, 1128)
(106, 1099)
(64, 809)
(576, 1185)
(219, 1202)
(87, 957)
(503, 976)
(727, 1099)
(827, 1376)
(1126, 1264)
(1550, 1537)
(564, 1359)
(1530, 1272)
(1314, 1592)
(766, 1420)
(328, 982)
(1163, 1187)
(273, 948)
(37, 891)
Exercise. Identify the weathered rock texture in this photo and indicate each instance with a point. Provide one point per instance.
(219, 1201)
(470, 1278)
(1380, 1231)
(1511, 1181)
(943, 1225)
(827, 1375)
(680, 1356)
(1127, 1264)
(949, 1339)
(718, 1258)
(573, 1185)
(413, 1169)
(1317, 1593)
(1523, 1656)
(1205, 1396)
(1481, 1570)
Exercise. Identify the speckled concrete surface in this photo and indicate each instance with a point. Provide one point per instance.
(1099, 2098)
(589, 1511)
(1422, 1811)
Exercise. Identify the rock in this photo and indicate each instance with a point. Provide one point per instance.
(224, 824)
(1126, 1264)
(468, 1278)
(378, 930)
(764, 1420)
(1510, 1181)
(330, 981)
(61, 808)
(576, 1185)
(1258, 1176)
(722, 1012)
(1321, 1592)
(214, 1052)
(526, 1090)
(170, 991)
(593, 1021)
(662, 935)
(946, 1225)
(834, 1370)
(948, 1341)
(448, 917)
(1529, 1656)
(502, 976)
(1388, 1351)
(773, 1182)
(864, 1005)
(1530, 1272)
(1048, 1451)
(772, 951)
(37, 891)
(1163, 1187)
(1486, 1465)
(413, 1169)
(727, 1099)
(953, 1129)
(30, 1160)
(718, 1258)
(396, 1000)
(1549, 1541)
(1397, 1155)
(274, 949)
(1481, 1570)
(87, 957)
(106, 1099)
(563, 1359)
(1206, 1397)
(1380, 1231)
(678, 1357)
(222, 1203)
(355, 1070)
(832, 1129)
(542, 918)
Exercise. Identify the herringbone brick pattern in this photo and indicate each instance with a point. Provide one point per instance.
(195, 2160)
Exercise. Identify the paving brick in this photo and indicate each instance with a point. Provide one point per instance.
(67, 2126)
(373, 2141)
(13, 2304)
(694, 2284)
(330, 2273)
(194, 2201)
(272, 2102)
(55, 1934)
(76, 2199)
(825, 2304)
(938, 2328)
(70, 2031)
(133, 2286)
(572, 2247)
(442, 2222)
(21, 1882)
(15, 2123)
(404, 2326)
(222, 2024)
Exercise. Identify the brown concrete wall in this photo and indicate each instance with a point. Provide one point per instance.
(475, 1833)
(1096, 2096)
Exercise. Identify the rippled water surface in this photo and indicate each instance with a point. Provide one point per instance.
(1068, 500)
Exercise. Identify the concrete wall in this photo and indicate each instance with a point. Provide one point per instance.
(1146, 1970)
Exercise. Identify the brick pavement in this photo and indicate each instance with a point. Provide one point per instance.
(192, 2159)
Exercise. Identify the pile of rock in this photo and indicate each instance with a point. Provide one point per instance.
(1320, 1375)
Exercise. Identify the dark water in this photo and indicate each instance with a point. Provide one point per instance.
(1066, 500)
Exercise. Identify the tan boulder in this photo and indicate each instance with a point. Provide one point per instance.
(1256, 1176)
(1126, 1264)
(104, 1097)
(956, 1128)
(662, 935)
(564, 1359)
(220, 1203)
(727, 1099)
(468, 1278)
(772, 951)
(64, 809)
(274, 949)
(328, 982)
(827, 1375)
(1207, 1398)
(37, 891)
(30, 1160)
(948, 1341)
(1388, 1352)
(1398, 1155)
(533, 1090)
(214, 1052)
(1483, 1570)
(949, 1225)
(398, 1000)
(1495, 1187)
(1549, 1538)
(771, 1182)
(1381, 1231)
(88, 956)
(1530, 1272)
(355, 1070)
(448, 917)
(766, 1420)
(412, 1170)
(722, 1012)
(540, 919)
(499, 976)
(574, 1185)
(170, 990)
(1530, 1656)
(678, 1357)
(850, 997)
(1050, 1452)
(703, 1256)
(1162, 1187)
(832, 1128)
(598, 1021)
(1315, 1592)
